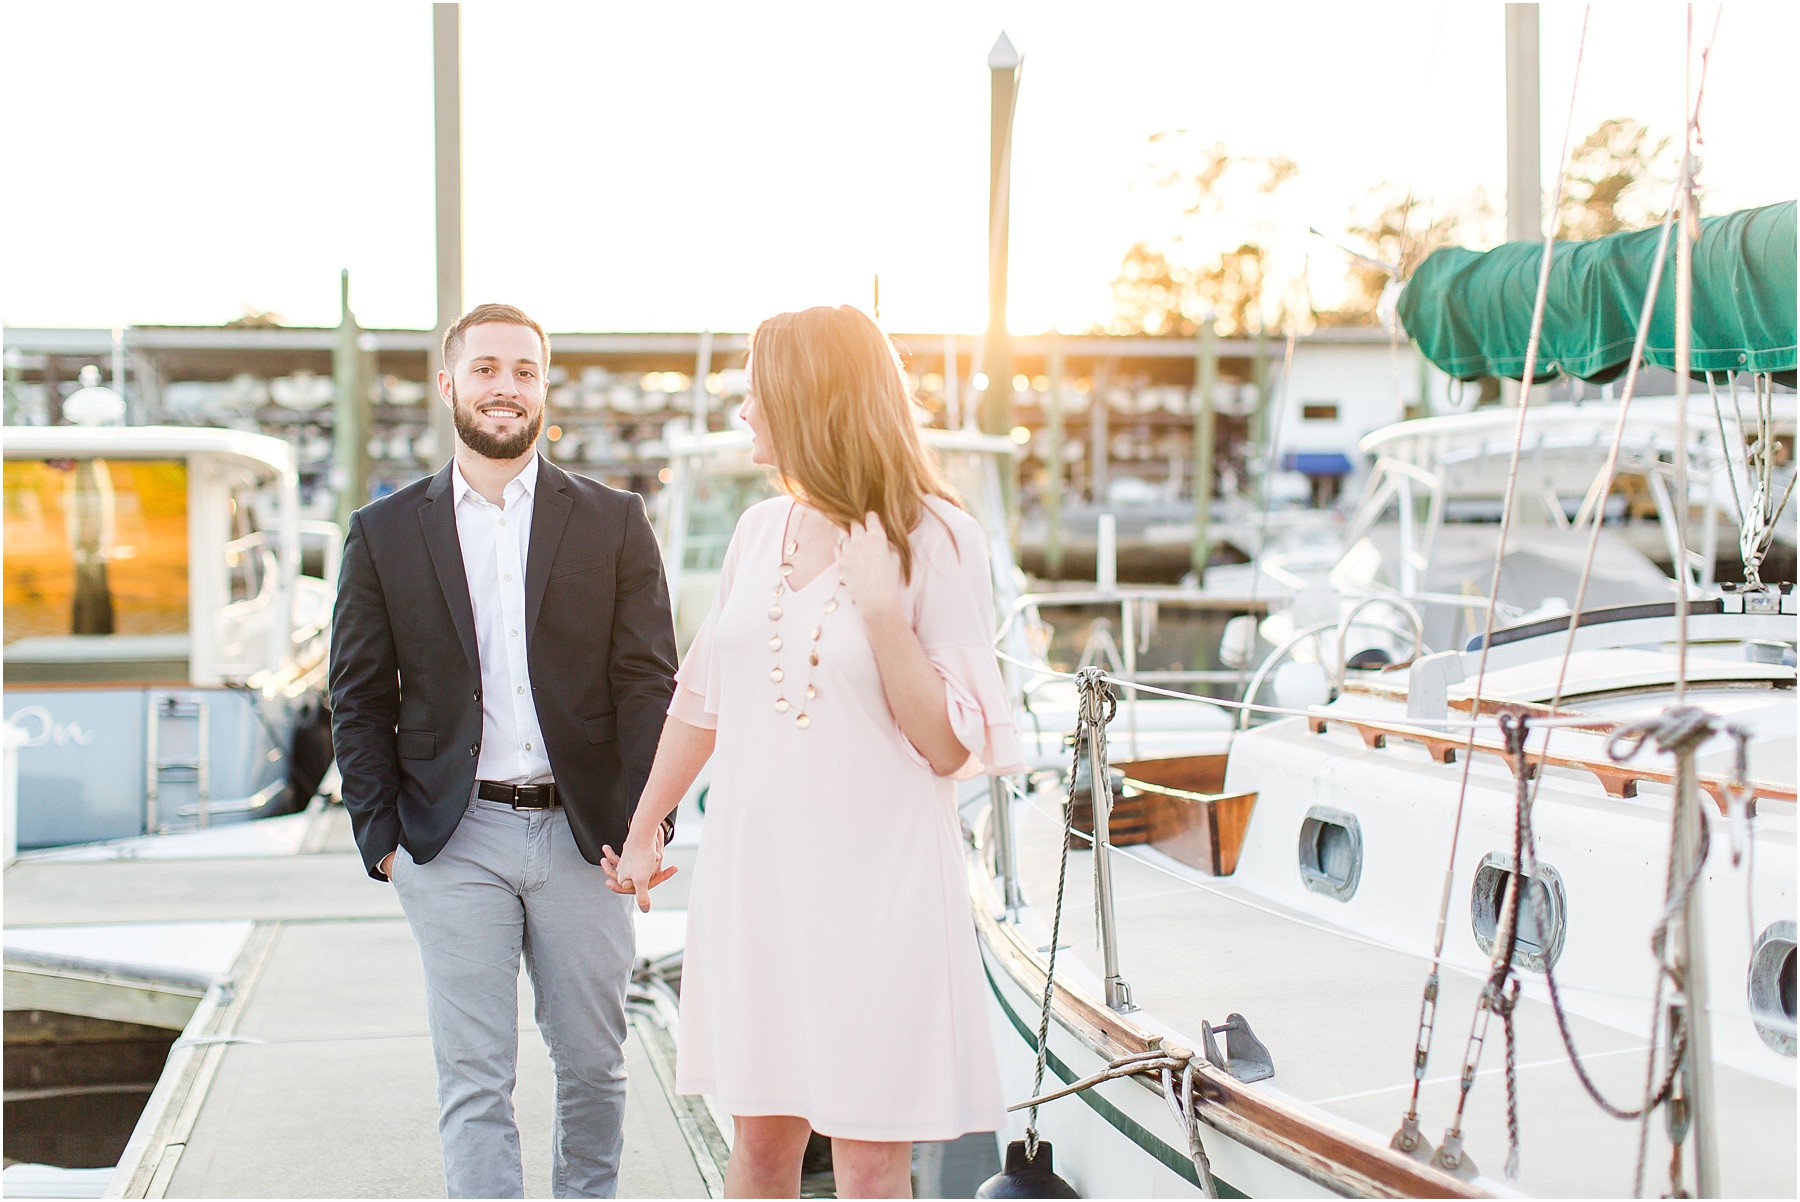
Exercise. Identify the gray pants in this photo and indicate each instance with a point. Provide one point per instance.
(510, 881)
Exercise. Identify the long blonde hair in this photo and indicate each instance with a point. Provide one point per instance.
(830, 386)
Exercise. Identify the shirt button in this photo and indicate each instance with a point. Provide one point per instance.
(528, 747)
(509, 576)
(503, 521)
(514, 633)
(521, 689)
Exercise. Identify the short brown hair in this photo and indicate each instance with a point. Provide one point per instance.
(481, 315)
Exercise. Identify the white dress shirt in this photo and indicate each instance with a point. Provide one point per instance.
(495, 542)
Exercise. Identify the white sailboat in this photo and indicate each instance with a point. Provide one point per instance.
(1558, 854)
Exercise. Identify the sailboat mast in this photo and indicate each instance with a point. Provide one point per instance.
(1524, 150)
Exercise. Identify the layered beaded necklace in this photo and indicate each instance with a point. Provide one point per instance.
(776, 675)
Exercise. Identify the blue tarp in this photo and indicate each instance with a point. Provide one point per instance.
(1318, 463)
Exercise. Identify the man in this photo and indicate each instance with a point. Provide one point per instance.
(502, 658)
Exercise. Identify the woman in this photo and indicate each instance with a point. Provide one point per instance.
(844, 679)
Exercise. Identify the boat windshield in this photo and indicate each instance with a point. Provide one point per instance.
(716, 501)
(96, 547)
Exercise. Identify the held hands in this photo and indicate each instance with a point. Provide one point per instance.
(639, 868)
(869, 565)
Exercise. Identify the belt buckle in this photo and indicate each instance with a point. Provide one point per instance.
(531, 797)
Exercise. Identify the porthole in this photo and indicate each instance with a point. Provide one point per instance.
(1543, 912)
(1331, 852)
(1772, 987)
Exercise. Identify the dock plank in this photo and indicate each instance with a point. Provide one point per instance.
(328, 1088)
(316, 887)
(339, 1097)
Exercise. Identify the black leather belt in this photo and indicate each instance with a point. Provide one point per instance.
(519, 797)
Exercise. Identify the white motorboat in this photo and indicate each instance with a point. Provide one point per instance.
(165, 652)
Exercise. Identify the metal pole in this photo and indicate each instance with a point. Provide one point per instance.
(1684, 331)
(1259, 379)
(1118, 992)
(1690, 945)
(1524, 156)
(350, 413)
(1206, 378)
(1053, 463)
(1098, 433)
(1128, 630)
(446, 57)
(1000, 798)
(1003, 77)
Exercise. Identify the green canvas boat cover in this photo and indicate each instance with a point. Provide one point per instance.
(1470, 312)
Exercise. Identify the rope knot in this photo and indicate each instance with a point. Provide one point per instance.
(1683, 729)
(1513, 731)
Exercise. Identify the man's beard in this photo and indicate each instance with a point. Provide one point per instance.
(493, 446)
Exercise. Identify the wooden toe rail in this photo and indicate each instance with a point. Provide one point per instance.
(1619, 780)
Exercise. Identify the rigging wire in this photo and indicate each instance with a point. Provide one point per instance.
(1407, 1133)
(1737, 499)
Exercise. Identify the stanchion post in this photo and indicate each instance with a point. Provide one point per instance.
(1005, 851)
(1118, 992)
(1690, 952)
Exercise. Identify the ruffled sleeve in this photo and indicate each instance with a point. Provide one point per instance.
(953, 615)
(696, 699)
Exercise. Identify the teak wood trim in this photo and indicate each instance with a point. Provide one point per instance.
(1282, 1132)
(1176, 804)
(1619, 780)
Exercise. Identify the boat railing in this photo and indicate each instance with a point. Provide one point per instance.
(1128, 598)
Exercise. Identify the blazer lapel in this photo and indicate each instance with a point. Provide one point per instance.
(549, 514)
(437, 518)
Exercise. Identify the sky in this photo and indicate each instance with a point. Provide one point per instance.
(683, 166)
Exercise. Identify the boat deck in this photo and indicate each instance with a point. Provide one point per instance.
(323, 1083)
(1338, 1014)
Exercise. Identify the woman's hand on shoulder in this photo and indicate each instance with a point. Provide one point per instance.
(869, 566)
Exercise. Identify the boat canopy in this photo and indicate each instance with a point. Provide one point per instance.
(1470, 311)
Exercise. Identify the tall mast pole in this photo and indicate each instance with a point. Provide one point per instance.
(350, 412)
(446, 60)
(1206, 380)
(1524, 154)
(1003, 80)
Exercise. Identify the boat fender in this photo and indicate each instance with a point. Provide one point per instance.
(1022, 1178)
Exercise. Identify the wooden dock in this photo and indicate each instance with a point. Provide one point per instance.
(308, 1072)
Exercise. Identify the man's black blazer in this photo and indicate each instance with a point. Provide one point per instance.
(406, 675)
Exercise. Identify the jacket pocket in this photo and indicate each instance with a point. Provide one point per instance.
(558, 571)
(603, 729)
(417, 745)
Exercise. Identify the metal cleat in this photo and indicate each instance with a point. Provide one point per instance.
(1245, 1056)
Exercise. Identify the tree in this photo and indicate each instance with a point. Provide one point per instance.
(1152, 295)
(1158, 293)
(1612, 181)
(1398, 232)
(256, 319)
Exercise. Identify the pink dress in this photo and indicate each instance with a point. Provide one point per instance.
(831, 970)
